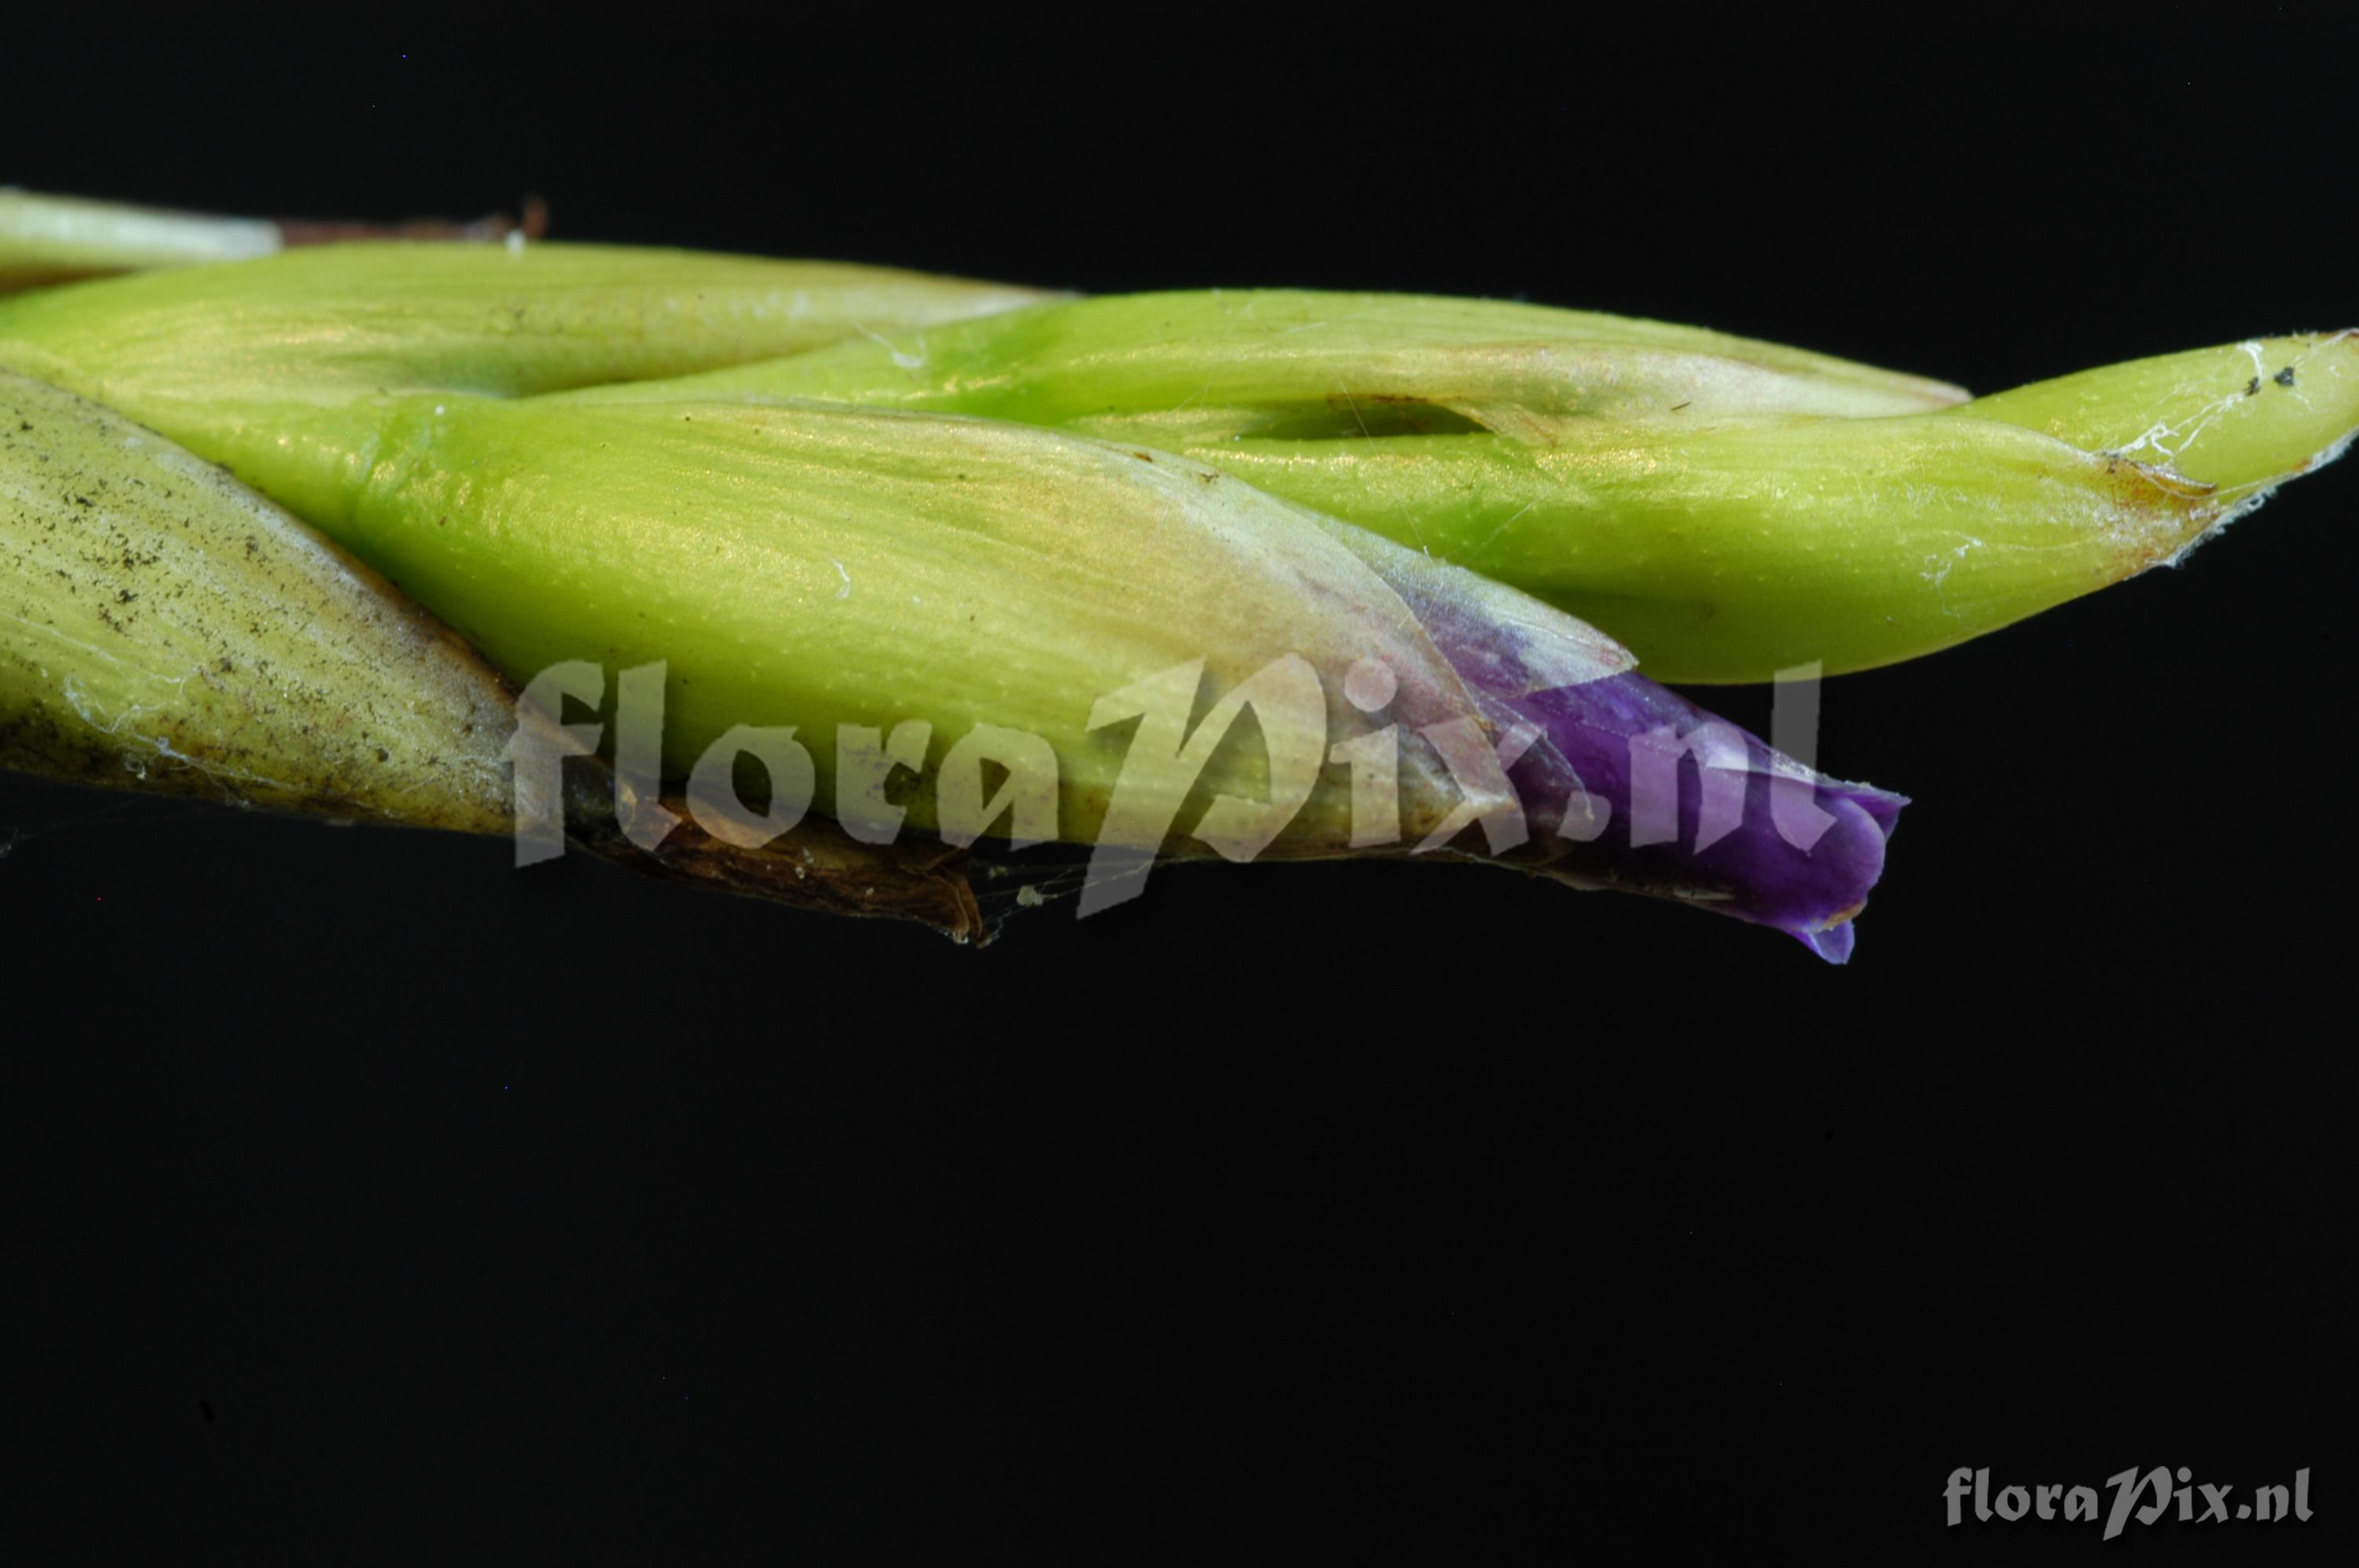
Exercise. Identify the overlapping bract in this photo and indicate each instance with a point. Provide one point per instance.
(1729, 509)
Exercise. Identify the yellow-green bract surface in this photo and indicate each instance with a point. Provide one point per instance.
(160, 624)
(323, 324)
(822, 566)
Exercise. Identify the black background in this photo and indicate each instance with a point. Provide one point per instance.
(369, 1201)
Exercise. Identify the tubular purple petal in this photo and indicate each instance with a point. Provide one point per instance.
(1694, 808)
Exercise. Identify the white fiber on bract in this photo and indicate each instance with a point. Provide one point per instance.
(2167, 440)
(2246, 506)
(2239, 507)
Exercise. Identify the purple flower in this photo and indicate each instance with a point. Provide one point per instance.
(1665, 798)
(1626, 785)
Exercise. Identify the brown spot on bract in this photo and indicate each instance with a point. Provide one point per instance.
(2152, 488)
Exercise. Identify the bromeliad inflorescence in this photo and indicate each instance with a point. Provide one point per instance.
(883, 514)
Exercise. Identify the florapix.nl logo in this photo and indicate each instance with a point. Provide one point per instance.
(2148, 1497)
(1463, 782)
